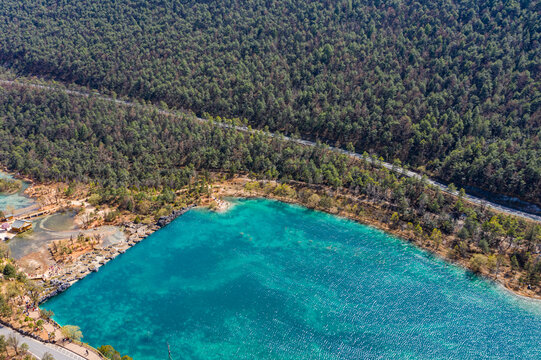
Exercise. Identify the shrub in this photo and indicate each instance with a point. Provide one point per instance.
(72, 332)
(46, 314)
(284, 190)
(477, 262)
(313, 200)
(9, 271)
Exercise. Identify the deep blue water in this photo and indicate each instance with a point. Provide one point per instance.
(267, 280)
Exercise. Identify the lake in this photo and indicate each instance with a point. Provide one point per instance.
(268, 280)
(17, 200)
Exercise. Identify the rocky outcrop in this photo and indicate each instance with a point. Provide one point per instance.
(165, 220)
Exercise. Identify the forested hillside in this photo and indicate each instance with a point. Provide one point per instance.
(127, 150)
(451, 85)
(53, 136)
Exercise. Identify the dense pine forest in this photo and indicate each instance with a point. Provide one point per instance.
(52, 136)
(124, 150)
(451, 86)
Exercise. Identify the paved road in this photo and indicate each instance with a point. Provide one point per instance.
(38, 349)
(397, 169)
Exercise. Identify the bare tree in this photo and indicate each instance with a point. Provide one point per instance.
(47, 356)
(24, 348)
(13, 341)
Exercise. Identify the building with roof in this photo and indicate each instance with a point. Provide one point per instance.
(20, 226)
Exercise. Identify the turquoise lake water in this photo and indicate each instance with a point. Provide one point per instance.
(267, 280)
(17, 200)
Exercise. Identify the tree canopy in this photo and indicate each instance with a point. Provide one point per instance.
(450, 85)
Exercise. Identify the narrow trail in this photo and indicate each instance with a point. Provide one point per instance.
(469, 197)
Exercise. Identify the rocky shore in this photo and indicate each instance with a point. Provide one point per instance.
(165, 220)
(67, 275)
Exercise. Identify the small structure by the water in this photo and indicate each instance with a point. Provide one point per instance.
(20, 226)
(6, 218)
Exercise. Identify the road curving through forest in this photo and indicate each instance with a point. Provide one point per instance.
(405, 172)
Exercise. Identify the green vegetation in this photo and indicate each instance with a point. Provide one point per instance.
(148, 163)
(52, 136)
(110, 353)
(3, 344)
(451, 88)
(47, 356)
(448, 85)
(14, 284)
(8, 186)
(9, 271)
(46, 314)
(24, 348)
(72, 332)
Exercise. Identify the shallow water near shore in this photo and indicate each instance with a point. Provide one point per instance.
(44, 230)
(17, 200)
(268, 280)
(59, 226)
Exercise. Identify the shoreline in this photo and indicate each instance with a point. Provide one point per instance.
(139, 232)
(441, 257)
(18, 176)
(91, 258)
(495, 206)
(135, 233)
(9, 193)
(91, 261)
(376, 220)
